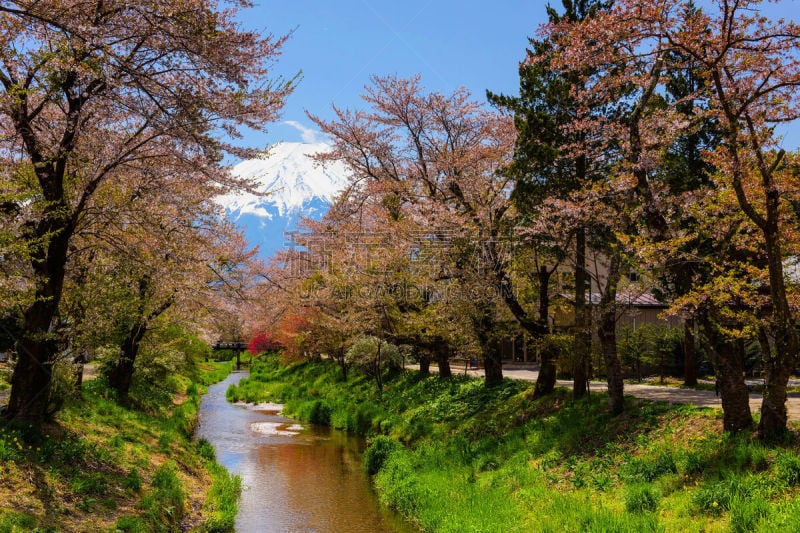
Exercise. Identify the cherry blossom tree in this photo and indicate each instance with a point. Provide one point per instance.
(441, 154)
(749, 79)
(89, 91)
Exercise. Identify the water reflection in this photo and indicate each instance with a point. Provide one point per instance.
(308, 479)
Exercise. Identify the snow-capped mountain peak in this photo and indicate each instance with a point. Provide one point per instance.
(288, 179)
(291, 185)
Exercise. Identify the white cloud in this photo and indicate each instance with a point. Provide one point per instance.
(307, 134)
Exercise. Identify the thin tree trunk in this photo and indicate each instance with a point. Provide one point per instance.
(689, 354)
(342, 360)
(580, 378)
(607, 332)
(121, 376)
(778, 366)
(546, 381)
(378, 377)
(80, 360)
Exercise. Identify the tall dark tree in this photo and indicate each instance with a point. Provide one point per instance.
(541, 170)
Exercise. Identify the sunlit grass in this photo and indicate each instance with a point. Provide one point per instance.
(108, 467)
(477, 459)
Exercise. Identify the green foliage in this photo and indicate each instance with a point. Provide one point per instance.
(379, 452)
(550, 464)
(373, 356)
(132, 524)
(320, 413)
(747, 512)
(94, 484)
(787, 468)
(16, 522)
(164, 504)
(205, 449)
(210, 373)
(222, 500)
(648, 469)
(715, 497)
(649, 348)
(641, 498)
(133, 481)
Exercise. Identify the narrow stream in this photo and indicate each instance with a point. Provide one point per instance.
(294, 477)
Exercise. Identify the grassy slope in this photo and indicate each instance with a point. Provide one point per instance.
(497, 460)
(104, 467)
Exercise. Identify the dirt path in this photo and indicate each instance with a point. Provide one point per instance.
(700, 398)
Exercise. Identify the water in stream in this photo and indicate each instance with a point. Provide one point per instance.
(294, 478)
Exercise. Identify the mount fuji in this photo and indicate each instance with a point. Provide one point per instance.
(291, 185)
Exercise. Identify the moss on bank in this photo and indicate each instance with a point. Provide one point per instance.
(101, 466)
(477, 459)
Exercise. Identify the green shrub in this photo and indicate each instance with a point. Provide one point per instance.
(13, 522)
(95, 484)
(787, 468)
(8, 450)
(747, 453)
(399, 486)
(746, 512)
(320, 413)
(222, 500)
(718, 497)
(164, 504)
(690, 463)
(132, 481)
(205, 449)
(132, 524)
(379, 452)
(641, 498)
(649, 469)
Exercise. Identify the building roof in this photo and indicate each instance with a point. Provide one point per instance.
(641, 300)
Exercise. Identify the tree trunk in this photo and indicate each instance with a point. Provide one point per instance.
(442, 356)
(580, 383)
(493, 364)
(773, 406)
(483, 326)
(544, 295)
(546, 382)
(424, 364)
(689, 354)
(778, 365)
(378, 376)
(79, 360)
(607, 332)
(342, 360)
(30, 382)
(121, 376)
(729, 370)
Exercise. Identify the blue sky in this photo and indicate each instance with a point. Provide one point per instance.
(339, 45)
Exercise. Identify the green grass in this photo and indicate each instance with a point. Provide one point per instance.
(455, 456)
(222, 500)
(213, 372)
(105, 466)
